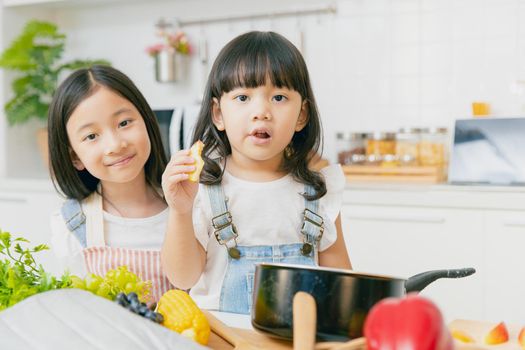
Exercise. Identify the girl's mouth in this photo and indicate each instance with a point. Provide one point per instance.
(122, 161)
(260, 136)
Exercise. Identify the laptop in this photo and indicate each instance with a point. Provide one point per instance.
(489, 151)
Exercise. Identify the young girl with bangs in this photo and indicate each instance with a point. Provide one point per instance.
(258, 200)
(106, 157)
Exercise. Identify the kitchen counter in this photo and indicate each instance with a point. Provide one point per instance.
(30, 184)
(436, 196)
(26, 185)
(375, 186)
(234, 320)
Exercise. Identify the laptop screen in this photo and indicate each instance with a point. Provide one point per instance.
(488, 151)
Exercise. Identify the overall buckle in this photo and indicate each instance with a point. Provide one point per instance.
(221, 222)
(315, 219)
(311, 218)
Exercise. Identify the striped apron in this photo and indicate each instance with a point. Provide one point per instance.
(88, 227)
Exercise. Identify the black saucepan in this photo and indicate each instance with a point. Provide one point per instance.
(343, 297)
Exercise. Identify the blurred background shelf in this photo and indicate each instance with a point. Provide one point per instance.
(381, 173)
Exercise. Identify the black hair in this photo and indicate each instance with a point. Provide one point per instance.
(248, 61)
(80, 85)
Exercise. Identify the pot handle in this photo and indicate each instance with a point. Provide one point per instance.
(418, 282)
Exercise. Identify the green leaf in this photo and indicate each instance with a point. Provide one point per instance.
(17, 56)
(40, 247)
(18, 248)
(36, 54)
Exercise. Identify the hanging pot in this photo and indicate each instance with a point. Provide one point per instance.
(166, 66)
(343, 297)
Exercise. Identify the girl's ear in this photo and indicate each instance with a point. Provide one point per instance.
(216, 115)
(77, 163)
(303, 117)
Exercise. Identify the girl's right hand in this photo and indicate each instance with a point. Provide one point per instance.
(179, 192)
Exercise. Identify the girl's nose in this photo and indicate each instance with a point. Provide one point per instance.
(262, 113)
(115, 144)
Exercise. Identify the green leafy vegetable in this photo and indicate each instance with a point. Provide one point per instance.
(20, 275)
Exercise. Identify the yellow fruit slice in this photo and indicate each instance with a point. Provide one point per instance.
(195, 152)
(462, 336)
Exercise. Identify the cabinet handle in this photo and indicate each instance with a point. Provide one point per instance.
(421, 219)
(13, 200)
(519, 223)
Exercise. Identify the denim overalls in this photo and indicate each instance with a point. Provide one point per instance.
(237, 286)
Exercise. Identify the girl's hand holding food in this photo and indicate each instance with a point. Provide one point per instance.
(180, 180)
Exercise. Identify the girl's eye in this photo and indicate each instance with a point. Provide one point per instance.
(242, 98)
(124, 123)
(89, 137)
(279, 98)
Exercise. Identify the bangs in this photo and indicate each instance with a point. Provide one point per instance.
(251, 63)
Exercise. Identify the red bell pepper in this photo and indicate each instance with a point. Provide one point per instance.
(409, 323)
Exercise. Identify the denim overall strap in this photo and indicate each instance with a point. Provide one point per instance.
(75, 220)
(313, 223)
(225, 231)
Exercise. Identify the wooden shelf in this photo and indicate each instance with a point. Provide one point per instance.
(379, 173)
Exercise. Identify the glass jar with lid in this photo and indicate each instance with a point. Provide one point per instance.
(407, 146)
(350, 147)
(379, 145)
(433, 150)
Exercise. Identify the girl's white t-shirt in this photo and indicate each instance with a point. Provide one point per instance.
(132, 233)
(264, 213)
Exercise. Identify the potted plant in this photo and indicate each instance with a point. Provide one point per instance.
(169, 53)
(35, 56)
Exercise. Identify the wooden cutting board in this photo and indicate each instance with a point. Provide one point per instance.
(256, 338)
(261, 340)
(478, 330)
(475, 329)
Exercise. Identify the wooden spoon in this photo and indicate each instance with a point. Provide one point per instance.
(228, 334)
(304, 321)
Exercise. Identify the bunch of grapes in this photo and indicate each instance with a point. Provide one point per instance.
(119, 280)
(132, 303)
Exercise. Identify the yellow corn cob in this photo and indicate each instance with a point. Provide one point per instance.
(182, 315)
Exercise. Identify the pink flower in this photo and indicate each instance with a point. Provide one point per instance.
(173, 41)
(155, 49)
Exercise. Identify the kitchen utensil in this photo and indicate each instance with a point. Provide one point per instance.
(304, 319)
(221, 329)
(343, 297)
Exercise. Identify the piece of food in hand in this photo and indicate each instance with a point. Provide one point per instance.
(521, 338)
(195, 153)
(497, 335)
(462, 336)
(182, 315)
(413, 322)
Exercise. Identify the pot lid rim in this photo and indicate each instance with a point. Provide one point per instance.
(333, 269)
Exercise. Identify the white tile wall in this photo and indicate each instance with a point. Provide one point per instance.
(378, 64)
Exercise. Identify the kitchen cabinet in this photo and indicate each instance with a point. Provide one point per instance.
(25, 209)
(403, 230)
(504, 285)
(404, 241)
